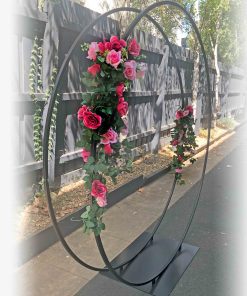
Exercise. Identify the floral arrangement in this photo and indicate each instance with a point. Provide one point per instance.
(115, 64)
(183, 140)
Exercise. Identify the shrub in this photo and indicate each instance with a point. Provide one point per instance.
(226, 123)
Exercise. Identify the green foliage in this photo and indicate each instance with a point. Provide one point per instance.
(92, 219)
(220, 24)
(184, 143)
(35, 86)
(170, 19)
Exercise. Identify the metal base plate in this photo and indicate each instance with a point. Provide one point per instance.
(152, 261)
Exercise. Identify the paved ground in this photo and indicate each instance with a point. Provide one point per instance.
(54, 273)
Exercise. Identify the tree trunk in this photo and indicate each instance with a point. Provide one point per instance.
(195, 88)
(217, 79)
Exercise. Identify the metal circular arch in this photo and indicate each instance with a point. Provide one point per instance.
(47, 131)
(97, 238)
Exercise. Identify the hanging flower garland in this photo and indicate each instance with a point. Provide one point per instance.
(103, 116)
(183, 140)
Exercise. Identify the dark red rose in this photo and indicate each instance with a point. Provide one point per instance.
(91, 120)
(122, 107)
(99, 191)
(120, 89)
(94, 69)
(81, 111)
(108, 150)
(174, 142)
(115, 43)
(108, 45)
(101, 46)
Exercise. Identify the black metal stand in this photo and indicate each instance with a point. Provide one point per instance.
(152, 264)
(151, 261)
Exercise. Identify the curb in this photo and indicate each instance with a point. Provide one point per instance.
(39, 242)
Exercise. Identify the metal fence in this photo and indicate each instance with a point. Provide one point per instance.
(57, 26)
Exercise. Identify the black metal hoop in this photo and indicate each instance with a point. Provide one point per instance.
(46, 137)
(97, 238)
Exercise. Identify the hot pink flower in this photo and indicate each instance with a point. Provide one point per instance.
(85, 154)
(130, 70)
(99, 191)
(120, 89)
(180, 158)
(107, 149)
(94, 69)
(81, 111)
(179, 114)
(134, 48)
(109, 137)
(122, 107)
(178, 170)
(114, 58)
(93, 48)
(91, 120)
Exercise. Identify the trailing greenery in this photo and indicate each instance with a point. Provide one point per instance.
(35, 86)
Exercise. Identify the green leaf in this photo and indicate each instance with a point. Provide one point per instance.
(101, 59)
(90, 224)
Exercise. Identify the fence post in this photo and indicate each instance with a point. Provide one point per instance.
(50, 53)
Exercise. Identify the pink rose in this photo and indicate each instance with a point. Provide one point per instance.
(109, 137)
(178, 170)
(99, 191)
(94, 69)
(134, 48)
(180, 158)
(113, 58)
(93, 48)
(123, 42)
(85, 154)
(186, 113)
(81, 111)
(130, 70)
(120, 89)
(91, 120)
(179, 114)
(108, 150)
(102, 202)
(190, 109)
(122, 107)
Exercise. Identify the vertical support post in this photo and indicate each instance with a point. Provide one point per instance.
(50, 52)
